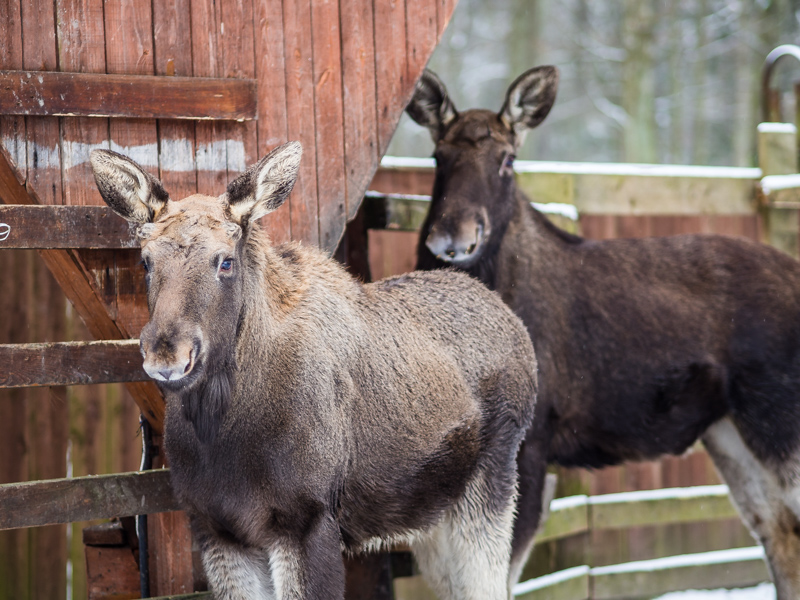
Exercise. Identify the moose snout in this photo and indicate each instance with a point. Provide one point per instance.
(462, 248)
(169, 358)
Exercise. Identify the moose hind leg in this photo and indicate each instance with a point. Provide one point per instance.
(235, 572)
(466, 555)
(768, 500)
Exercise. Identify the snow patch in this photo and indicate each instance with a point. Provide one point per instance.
(763, 591)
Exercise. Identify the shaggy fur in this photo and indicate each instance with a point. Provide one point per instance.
(308, 413)
(644, 345)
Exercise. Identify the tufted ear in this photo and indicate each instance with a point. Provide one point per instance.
(431, 107)
(265, 185)
(126, 187)
(529, 99)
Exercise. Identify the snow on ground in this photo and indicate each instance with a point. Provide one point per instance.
(763, 591)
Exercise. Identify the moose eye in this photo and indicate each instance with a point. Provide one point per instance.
(509, 162)
(145, 265)
(226, 265)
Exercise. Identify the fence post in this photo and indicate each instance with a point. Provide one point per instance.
(777, 155)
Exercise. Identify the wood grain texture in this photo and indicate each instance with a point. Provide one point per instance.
(44, 93)
(329, 122)
(271, 78)
(172, 42)
(358, 95)
(391, 68)
(12, 129)
(24, 226)
(70, 363)
(300, 117)
(422, 34)
(37, 503)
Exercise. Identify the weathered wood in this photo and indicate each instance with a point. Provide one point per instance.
(37, 503)
(568, 516)
(393, 91)
(360, 118)
(570, 584)
(271, 78)
(368, 577)
(777, 155)
(299, 109)
(70, 363)
(740, 567)
(681, 505)
(329, 122)
(606, 189)
(111, 573)
(48, 93)
(27, 226)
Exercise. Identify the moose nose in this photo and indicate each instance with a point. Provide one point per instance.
(173, 370)
(463, 248)
(170, 354)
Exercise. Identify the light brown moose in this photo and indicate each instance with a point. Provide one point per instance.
(308, 413)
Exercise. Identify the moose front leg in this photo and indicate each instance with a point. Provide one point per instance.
(234, 571)
(309, 565)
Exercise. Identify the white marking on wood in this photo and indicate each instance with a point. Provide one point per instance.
(77, 153)
(46, 158)
(145, 155)
(177, 156)
(5, 231)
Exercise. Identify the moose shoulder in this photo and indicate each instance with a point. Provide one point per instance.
(643, 345)
(308, 413)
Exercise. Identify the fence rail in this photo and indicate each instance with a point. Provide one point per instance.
(738, 567)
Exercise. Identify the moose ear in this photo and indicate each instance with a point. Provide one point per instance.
(431, 106)
(265, 185)
(131, 192)
(529, 99)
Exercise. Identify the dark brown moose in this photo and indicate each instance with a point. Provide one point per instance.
(308, 413)
(644, 345)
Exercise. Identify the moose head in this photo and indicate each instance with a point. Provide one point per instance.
(473, 200)
(195, 259)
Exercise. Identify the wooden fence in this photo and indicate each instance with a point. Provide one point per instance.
(736, 199)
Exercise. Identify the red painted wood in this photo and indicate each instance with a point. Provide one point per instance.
(272, 117)
(329, 122)
(300, 117)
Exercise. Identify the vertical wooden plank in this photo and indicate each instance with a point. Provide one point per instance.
(129, 49)
(358, 89)
(39, 54)
(12, 129)
(444, 11)
(300, 117)
(14, 441)
(81, 48)
(329, 122)
(238, 61)
(271, 81)
(391, 67)
(422, 33)
(207, 62)
(172, 42)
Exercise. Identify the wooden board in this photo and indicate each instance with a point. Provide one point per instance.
(37, 503)
(47, 93)
(38, 227)
(70, 363)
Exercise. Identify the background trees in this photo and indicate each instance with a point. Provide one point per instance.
(641, 81)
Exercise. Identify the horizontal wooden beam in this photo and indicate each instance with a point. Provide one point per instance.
(610, 188)
(74, 281)
(47, 227)
(37, 503)
(47, 93)
(70, 363)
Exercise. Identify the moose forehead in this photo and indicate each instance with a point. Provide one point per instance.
(195, 223)
(477, 125)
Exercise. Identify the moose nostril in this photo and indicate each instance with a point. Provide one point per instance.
(451, 253)
(471, 249)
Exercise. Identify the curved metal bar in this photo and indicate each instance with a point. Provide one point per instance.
(766, 73)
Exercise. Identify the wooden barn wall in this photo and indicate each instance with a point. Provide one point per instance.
(333, 74)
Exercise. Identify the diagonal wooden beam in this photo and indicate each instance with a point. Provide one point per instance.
(66, 268)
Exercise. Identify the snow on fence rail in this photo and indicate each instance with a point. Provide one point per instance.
(642, 579)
